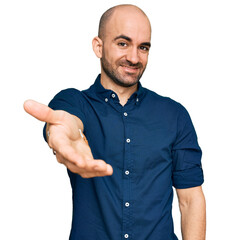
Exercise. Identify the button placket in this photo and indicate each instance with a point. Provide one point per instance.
(127, 221)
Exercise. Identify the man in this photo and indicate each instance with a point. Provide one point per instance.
(139, 144)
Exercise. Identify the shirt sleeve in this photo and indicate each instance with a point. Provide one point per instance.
(69, 100)
(186, 154)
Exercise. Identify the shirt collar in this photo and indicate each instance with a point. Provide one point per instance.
(107, 93)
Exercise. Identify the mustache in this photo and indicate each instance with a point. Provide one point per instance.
(126, 63)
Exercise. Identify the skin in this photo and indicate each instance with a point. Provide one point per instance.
(123, 52)
(193, 213)
(65, 139)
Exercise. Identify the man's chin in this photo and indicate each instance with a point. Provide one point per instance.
(128, 81)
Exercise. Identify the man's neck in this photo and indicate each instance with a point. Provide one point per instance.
(123, 93)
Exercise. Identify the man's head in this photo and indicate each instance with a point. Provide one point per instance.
(123, 44)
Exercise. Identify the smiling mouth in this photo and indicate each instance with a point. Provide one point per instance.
(130, 69)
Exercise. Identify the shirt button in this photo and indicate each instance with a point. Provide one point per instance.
(126, 114)
(126, 235)
(127, 204)
(113, 95)
(106, 99)
(126, 172)
(137, 100)
(128, 140)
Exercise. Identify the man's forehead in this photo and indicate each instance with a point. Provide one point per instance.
(131, 24)
(131, 29)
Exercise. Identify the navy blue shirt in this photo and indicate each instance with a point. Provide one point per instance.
(152, 146)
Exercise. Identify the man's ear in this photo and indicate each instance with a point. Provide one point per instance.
(97, 46)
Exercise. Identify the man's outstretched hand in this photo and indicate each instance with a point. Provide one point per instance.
(65, 139)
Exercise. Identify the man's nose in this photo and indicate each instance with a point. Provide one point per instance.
(133, 55)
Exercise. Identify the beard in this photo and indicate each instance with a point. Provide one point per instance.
(117, 77)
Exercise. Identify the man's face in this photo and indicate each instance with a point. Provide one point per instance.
(126, 47)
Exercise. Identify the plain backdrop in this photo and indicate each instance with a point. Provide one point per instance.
(45, 46)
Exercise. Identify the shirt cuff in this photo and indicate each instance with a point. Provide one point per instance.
(188, 178)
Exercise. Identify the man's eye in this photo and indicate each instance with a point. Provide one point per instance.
(146, 49)
(122, 44)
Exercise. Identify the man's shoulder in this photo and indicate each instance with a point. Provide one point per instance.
(162, 101)
(69, 91)
(71, 96)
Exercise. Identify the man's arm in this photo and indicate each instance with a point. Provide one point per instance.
(65, 139)
(193, 213)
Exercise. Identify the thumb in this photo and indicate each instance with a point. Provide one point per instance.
(41, 111)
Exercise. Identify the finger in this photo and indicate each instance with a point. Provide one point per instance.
(101, 167)
(85, 172)
(108, 172)
(42, 112)
(86, 168)
(70, 165)
(90, 167)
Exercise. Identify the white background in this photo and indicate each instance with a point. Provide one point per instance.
(45, 46)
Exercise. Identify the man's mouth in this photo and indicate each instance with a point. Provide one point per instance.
(130, 69)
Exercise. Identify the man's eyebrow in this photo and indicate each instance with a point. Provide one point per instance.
(130, 40)
(146, 44)
(123, 37)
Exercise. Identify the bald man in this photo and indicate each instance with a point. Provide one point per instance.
(125, 147)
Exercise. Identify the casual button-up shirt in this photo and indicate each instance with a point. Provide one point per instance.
(152, 146)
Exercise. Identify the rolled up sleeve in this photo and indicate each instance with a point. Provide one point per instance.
(186, 154)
